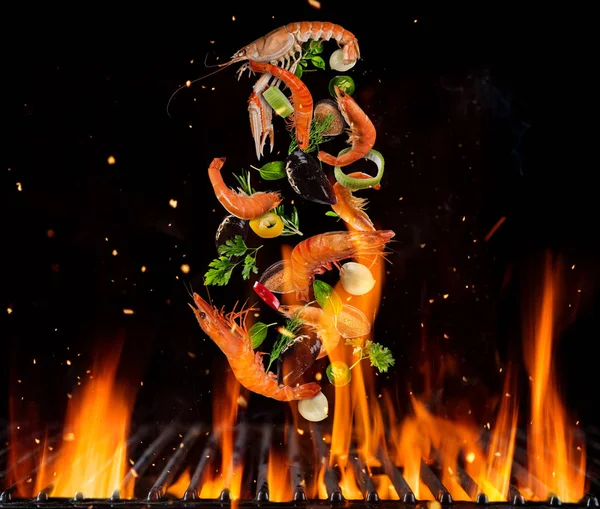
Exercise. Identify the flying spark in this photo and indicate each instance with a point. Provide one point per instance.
(111, 160)
(173, 203)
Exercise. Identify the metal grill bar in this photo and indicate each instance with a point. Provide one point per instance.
(334, 491)
(166, 476)
(297, 479)
(363, 479)
(434, 484)
(262, 486)
(210, 449)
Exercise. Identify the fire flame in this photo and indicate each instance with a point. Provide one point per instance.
(278, 478)
(556, 455)
(92, 456)
(177, 489)
(226, 402)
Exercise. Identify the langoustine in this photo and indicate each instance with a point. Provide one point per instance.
(247, 366)
(316, 254)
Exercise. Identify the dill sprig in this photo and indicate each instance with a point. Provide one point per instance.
(315, 135)
(286, 336)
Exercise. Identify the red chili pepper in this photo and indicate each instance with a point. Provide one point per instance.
(265, 294)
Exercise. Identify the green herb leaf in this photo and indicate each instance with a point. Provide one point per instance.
(258, 333)
(331, 213)
(298, 72)
(233, 247)
(327, 297)
(291, 224)
(316, 47)
(222, 267)
(244, 182)
(219, 272)
(290, 330)
(318, 62)
(274, 170)
(316, 138)
(380, 356)
(249, 266)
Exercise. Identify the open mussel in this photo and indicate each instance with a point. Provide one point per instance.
(298, 357)
(229, 228)
(328, 107)
(308, 179)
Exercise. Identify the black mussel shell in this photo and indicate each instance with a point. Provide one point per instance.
(298, 357)
(328, 107)
(307, 178)
(229, 228)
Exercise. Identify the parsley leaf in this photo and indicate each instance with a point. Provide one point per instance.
(233, 247)
(221, 268)
(380, 356)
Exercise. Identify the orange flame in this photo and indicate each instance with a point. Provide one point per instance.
(278, 477)
(92, 457)
(556, 455)
(226, 401)
(177, 489)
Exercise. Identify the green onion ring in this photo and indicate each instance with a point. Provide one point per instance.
(355, 184)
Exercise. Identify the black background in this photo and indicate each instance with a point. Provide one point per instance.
(458, 100)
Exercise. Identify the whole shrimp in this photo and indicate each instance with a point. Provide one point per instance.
(317, 319)
(316, 254)
(301, 100)
(350, 208)
(242, 206)
(362, 132)
(247, 366)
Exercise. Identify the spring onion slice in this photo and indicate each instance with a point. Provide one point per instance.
(356, 184)
(278, 101)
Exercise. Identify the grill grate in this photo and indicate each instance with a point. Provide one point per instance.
(163, 454)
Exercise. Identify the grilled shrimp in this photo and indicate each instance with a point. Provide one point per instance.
(320, 321)
(316, 254)
(242, 206)
(362, 132)
(352, 208)
(301, 100)
(247, 366)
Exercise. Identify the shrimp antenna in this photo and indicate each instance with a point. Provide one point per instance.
(189, 83)
(208, 295)
(210, 66)
(189, 289)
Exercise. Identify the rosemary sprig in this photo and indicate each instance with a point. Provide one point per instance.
(291, 224)
(244, 182)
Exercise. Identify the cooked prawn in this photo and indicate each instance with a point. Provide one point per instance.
(319, 320)
(247, 366)
(316, 254)
(350, 208)
(240, 205)
(362, 132)
(301, 100)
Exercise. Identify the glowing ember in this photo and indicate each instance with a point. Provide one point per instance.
(111, 160)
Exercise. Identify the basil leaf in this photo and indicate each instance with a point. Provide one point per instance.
(318, 62)
(327, 297)
(258, 333)
(331, 213)
(298, 72)
(274, 170)
(316, 47)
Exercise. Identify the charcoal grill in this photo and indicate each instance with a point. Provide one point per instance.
(164, 452)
